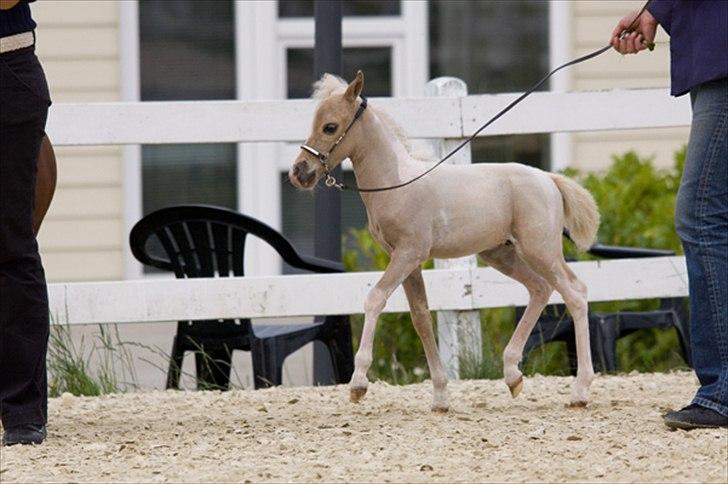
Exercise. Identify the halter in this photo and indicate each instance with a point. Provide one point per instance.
(323, 158)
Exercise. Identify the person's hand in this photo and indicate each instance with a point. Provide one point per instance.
(642, 35)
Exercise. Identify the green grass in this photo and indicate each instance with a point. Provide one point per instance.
(70, 364)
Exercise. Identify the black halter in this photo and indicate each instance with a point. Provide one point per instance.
(323, 158)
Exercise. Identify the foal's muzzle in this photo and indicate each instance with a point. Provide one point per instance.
(301, 175)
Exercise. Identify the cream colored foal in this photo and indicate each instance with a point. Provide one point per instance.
(510, 214)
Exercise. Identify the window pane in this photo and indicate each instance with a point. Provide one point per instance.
(376, 62)
(304, 8)
(297, 207)
(477, 42)
(187, 50)
(189, 173)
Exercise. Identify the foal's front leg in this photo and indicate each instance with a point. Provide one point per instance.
(400, 266)
(414, 287)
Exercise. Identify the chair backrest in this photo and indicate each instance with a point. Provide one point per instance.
(202, 241)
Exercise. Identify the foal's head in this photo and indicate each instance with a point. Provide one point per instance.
(325, 148)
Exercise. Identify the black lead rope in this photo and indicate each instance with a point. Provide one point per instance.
(342, 186)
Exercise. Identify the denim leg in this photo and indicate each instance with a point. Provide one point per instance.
(701, 219)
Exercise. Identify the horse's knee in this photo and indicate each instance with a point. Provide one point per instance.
(577, 304)
(540, 292)
(374, 302)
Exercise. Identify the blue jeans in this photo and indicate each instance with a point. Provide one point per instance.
(701, 219)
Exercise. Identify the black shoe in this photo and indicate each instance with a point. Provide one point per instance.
(24, 435)
(695, 416)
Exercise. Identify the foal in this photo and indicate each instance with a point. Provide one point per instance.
(511, 215)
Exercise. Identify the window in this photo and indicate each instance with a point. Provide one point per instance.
(376, 62)
(494, 46)
(187, 53)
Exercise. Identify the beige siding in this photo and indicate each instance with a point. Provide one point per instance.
(591, 25)
(82, 236)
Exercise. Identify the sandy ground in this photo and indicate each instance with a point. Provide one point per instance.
(315, 434)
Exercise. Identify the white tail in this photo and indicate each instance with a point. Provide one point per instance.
(580, 211)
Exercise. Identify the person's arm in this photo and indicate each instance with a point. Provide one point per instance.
(662, 11)
(643, 33)
(8, 4)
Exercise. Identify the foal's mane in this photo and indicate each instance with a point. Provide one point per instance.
(330, 85)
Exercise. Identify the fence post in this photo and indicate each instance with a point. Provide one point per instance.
(459, 335)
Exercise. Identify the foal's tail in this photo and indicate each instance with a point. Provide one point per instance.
(580, 211)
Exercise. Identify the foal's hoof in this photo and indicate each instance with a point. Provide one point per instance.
(357, 393)
(440, 410)
(577, 404)
(516, 387)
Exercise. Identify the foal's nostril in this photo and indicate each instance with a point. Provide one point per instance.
(295, 170)
(307, 177)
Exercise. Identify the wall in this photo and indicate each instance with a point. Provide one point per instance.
(81, 238)
(591, 25)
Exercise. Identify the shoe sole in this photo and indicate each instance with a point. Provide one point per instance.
(676, 424)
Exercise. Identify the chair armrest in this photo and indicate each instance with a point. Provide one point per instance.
(316, 264)
(619, 252)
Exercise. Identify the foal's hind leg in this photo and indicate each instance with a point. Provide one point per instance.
(552, 267)
(414, 288)
(506, 260)
(403, 262)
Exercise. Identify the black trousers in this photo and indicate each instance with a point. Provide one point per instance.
(24, 102)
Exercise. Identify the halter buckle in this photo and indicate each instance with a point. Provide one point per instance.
(332, 183)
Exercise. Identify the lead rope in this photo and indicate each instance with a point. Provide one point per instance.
(331, 182)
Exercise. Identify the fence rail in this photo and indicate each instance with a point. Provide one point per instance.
(323, 294)
(442, 117)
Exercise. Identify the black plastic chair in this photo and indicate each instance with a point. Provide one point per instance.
(555, 324)
(207, 241)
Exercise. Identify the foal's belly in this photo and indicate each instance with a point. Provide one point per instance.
(458, 233)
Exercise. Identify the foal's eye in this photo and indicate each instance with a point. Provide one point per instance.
(330, 128)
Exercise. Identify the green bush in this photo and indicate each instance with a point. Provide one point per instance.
(70, 367)
(636, 202)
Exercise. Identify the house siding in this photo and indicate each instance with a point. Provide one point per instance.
(591, 25)
(81, 237)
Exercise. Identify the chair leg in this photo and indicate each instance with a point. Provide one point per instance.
(571, 353)
(604, 332)
(342, 355)
(681, 321)
(213, 368)
(175, 365)
(267, 370)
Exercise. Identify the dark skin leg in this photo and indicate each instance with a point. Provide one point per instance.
(45, 185)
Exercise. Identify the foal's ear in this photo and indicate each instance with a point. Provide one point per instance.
(354, 89)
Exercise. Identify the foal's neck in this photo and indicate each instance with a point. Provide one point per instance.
(379, 158)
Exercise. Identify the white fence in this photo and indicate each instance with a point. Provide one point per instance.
(447, 116)
(443, 117)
